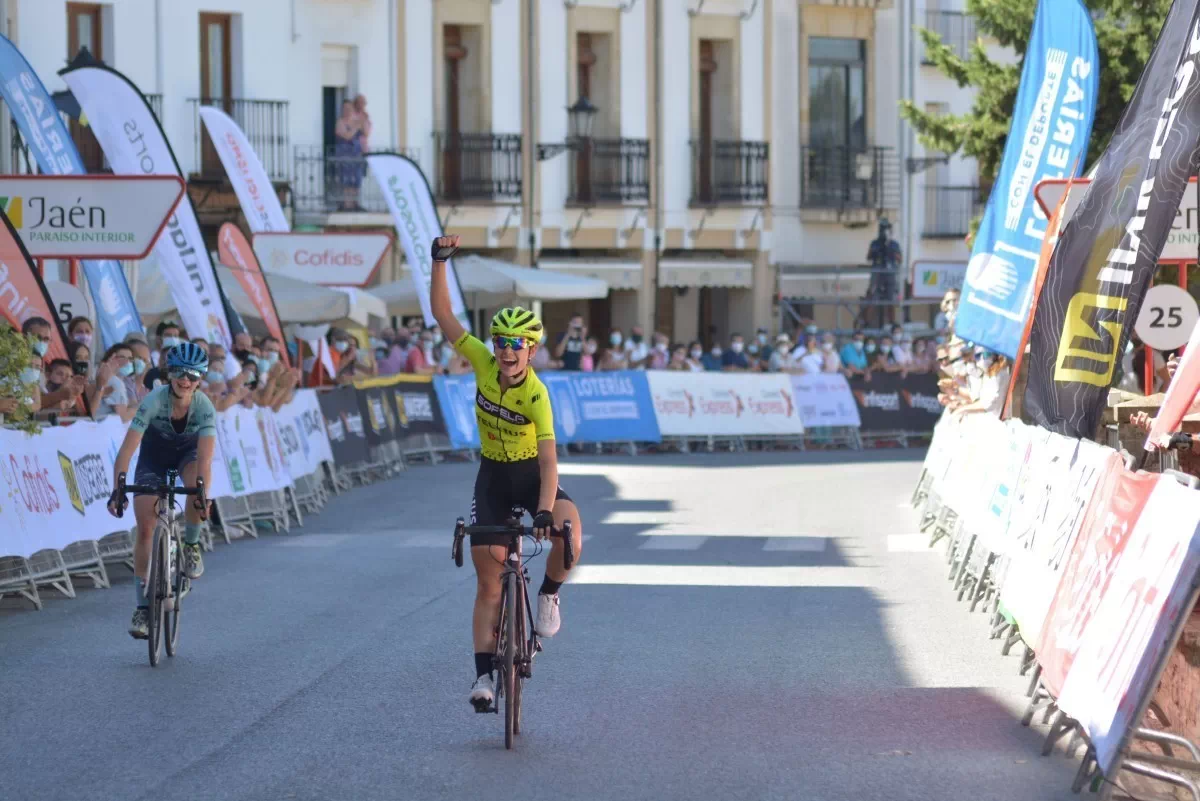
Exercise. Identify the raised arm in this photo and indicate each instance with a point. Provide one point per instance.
(443, 249)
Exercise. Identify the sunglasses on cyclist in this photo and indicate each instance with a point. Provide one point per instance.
(502, 342)
(189, 375)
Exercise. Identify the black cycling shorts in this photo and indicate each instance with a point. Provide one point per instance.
(501, 487)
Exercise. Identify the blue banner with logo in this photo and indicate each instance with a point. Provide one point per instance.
(1051, 125)
(48, 140)
(588, 407)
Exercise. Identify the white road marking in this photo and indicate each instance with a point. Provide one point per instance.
(805, 544)
(672, 543)
(720, 576)
(632, 518)
(908, 543)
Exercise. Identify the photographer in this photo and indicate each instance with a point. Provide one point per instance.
(569, 347)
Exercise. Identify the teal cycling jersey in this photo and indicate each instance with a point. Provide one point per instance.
(153, 420)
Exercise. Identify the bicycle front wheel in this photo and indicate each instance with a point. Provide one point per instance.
(508, 670)
(174, 606)
(522, 656)
(157, 589)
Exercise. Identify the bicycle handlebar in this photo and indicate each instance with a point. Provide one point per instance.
(1180, 440)
(461, 530)
(162, 492)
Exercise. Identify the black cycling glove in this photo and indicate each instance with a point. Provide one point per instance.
(543, 519)
(441, 253)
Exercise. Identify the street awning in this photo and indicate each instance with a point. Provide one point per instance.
(296, 301)
(487, 283)
(726, 272)
(824, 284)
(617, 274)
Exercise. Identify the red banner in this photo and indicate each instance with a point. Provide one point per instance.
(1112, 513)
(22, 293)
(238, 256)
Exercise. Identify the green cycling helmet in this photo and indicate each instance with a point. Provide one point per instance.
(517, 322)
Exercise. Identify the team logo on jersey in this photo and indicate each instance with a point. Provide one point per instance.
(496, 410)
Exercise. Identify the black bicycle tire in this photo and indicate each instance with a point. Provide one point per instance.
(508, 669)
(172, 612)
(153, 588)
(522, 655)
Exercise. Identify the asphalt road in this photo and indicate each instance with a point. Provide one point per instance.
(752, 626)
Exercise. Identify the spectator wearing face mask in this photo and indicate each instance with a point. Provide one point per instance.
(615, 357)
(80, 356)
(637, 351)
(678, 359)
(570, 344)
(764, 346)
(37, 329)
(58, 373)
(659, 354)
(830, 361)
(902, 350)
(781, 360)
(587, 361)
(349, 367)
(922, 357)
(168, 335)
(854, 356)
(883, 359)
(80, 330)
(992, 386)
(714, 359)
(809, 358)
(118, 360)
(735, 360)
(695, 357)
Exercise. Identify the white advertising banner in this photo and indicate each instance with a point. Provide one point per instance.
(250, 181)
(932, 279)
(410, 200)
(134, 144)
(723, 404)
(302, 433)
(89, 216)
(335, 259)
(825, 400)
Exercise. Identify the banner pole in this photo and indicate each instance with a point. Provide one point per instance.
(1148, 371)
(73, 272)
(41, 268)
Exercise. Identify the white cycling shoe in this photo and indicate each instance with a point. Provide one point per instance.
(483, 695)
(548, 619)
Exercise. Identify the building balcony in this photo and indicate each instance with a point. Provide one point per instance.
(615, 171)
(956, 28)
(265, 123)
(325, 182)
(845, 178)
(950, 209)
(22, 160)
(729, 173)
(479, 167)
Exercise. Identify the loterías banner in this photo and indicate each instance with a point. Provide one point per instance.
(1051, 125)
(43, 132)
(1108, 252)
(236, 254)
(134, 144)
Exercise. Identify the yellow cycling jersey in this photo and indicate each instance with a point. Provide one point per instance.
(511, 422)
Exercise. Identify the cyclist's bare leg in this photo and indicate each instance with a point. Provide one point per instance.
(144, 512)
(191, 513)
(489, 562)
(564, 511)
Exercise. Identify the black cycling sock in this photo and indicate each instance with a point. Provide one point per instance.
(549, 586)
(483, 663)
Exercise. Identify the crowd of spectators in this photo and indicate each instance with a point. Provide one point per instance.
(973, 379)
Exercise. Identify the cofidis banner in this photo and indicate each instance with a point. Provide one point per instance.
(134, 143)
(42, 129)
(1052, 122)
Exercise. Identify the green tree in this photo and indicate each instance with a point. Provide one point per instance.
(16, 353)
(1125, 34)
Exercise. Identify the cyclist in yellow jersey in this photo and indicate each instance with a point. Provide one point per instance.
(518, 465)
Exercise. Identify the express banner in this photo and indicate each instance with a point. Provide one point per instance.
(1051, 124)
(1108, 252)
(411, 203)
(825, 399)
(135, 144)
(890, 402)
(42, 129)
(235, 253)
(249, 180)
(344, 425)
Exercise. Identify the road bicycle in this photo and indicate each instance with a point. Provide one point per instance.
(167, 584)
(516, 640)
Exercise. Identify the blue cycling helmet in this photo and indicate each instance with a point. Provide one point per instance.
(188, 356)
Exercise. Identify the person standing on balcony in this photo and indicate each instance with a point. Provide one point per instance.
(349, 146)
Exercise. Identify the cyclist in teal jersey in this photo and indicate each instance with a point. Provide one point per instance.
(175, 428)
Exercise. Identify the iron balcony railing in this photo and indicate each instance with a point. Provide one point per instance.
(478, 166)
(22, 160)
(728, 172)
(265, 123)
(846, 177)
(609, 171)
(956, 28)
(326, 181)
(950, 209)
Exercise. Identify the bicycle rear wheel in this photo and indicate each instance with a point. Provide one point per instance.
(157, 589)
(174, 606)
(508, 670)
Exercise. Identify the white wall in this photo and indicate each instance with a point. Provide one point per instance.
(637, 62)
(417, 55)
(508, 47)
(675, 95)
